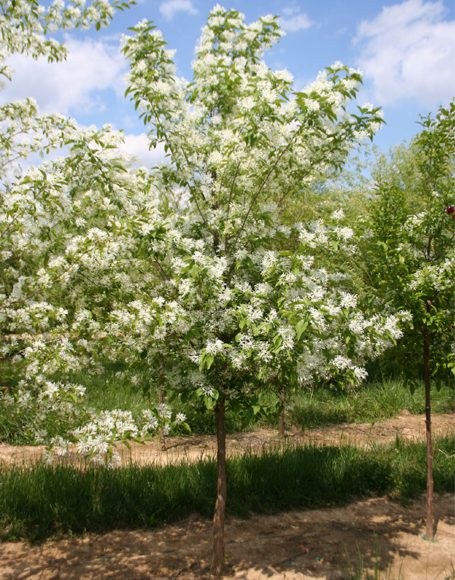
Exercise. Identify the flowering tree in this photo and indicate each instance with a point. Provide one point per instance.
(183, 270)
(234, 312)
(58, 289)
(40, 208)
(410, 255)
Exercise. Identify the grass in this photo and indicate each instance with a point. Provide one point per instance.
(371, 403)
(44, 501)
(113, 391)
(311, 408)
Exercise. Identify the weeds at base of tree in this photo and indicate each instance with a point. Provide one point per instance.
(360, 570)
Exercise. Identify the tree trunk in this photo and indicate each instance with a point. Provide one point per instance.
(161, 402)
(427, 383)
(221, 491)
(282, 417)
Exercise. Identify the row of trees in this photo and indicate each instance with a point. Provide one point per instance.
(194, 272)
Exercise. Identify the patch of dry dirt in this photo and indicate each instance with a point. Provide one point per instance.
(328, 543)
(192, 448)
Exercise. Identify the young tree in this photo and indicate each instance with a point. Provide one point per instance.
(42, 208)
(239, 137)
(410, 256)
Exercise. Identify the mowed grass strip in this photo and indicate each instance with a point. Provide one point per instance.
(45, 501)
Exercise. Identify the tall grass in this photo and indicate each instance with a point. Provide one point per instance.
(371, 403)
(113, 390)
(45, 500)
(308, 408)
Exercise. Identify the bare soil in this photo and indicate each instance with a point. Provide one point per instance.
(193, 447)
(374, 536)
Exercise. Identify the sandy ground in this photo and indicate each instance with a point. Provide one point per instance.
(375, 536)
(335, 543)
(191, 448)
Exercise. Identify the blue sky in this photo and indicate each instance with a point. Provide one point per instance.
(406, 50)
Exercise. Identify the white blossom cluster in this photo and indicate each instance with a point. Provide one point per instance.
(98, 438)
(26, 26)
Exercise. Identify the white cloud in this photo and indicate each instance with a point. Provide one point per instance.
(72, 86)
(408, 52)
(170, 7)
(294, 20)
(137, 146)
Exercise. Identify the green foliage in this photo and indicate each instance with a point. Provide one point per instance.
(408, 247)
(44, 501)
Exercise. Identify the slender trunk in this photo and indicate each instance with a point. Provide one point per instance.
(282, 417)
(427, 383)
(221, 491)
(161, 402)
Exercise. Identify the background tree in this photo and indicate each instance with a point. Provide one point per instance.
(26, 210)
(409, 257)
(42, 207)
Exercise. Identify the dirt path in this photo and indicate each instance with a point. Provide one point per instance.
(334, 543)
(192, 448)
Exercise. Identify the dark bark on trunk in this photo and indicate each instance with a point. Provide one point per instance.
(282, 417)
(427, 383)
(161, 402)
(221, 491)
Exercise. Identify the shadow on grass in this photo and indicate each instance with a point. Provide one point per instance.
(43, 501)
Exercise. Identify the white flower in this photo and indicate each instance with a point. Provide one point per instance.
(342, 363)
(312, 105)
(348, 300)
(337, 215)
(180, 418)
(214, 346)
(269, 260)
(284, 75)
(360, 373)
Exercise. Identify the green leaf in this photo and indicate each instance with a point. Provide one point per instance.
(209, 358)
(277, 341)
(300, 327)
(209, 403)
